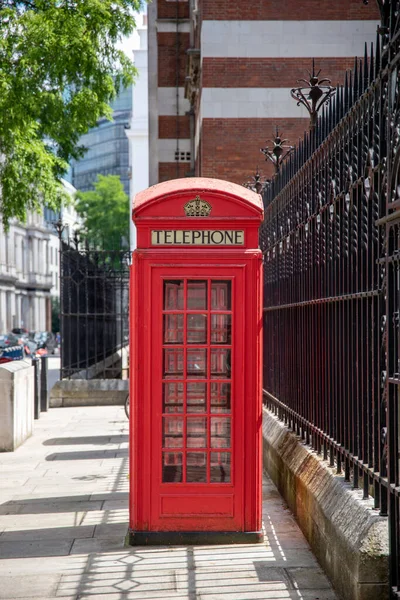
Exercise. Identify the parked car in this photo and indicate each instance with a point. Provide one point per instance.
(20, 332)
(25, 339)
(45, 340)
(8, 339)
(10, 353)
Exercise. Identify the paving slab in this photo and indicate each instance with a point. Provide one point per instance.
(49, 533)
(308, 578)
(56, 506)
(64, 516)
(35, 564)
(90, 545)
(37, 585)
(39, 548)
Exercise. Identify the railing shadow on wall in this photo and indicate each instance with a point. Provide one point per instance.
(331, 244)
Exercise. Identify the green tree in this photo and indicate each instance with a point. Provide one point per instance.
(105, 212)
(59, 69)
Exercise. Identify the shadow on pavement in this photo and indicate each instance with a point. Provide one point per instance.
(95, 439)
(88, 455)
(190, 573)
(62, 504)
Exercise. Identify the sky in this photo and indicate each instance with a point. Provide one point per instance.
(131, 43)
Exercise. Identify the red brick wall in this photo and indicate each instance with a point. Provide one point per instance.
(168, 10)
(230, 148)
(167, 127)
(269, 72)
(167, 171)
(167, 58)
(254, 10)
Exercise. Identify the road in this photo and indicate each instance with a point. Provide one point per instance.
(53, 372)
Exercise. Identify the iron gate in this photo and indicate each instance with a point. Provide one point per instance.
(94, 306)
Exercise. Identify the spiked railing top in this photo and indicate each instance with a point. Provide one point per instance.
(388, 9)
(357, 81)
(279, 151)
(314, 94)
(257, 183)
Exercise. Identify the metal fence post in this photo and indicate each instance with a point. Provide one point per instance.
(36, 400)
(44, 402)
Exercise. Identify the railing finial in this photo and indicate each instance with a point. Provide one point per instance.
(314, 94)
(279, 151)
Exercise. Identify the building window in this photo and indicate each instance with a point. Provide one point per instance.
(182, 156)
(23, 258)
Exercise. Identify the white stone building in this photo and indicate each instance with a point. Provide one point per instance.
(138, 132)
(25, 280)
(70, 221)
(29, 270)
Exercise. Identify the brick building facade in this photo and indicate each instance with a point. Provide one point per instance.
(220, 74)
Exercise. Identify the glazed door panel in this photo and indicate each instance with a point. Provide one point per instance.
(198, 399)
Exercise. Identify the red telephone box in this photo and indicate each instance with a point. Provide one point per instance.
(195, 364)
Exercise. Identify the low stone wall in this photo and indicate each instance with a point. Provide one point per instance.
(95, 392)
(346, 534)
(16, 403)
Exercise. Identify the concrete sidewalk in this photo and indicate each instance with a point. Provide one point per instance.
(64, 515)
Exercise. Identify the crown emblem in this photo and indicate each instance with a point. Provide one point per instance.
(197, 208)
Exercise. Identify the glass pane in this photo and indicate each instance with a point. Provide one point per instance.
(173, 295)
(220, 329)
(173, 397)
(172, 432)
(196, 362)
(196, 467)
(220, 295)
(220, 432)
(220, 467)
(172, 467)
(220, 363)
(220, 397)
(197, 329)
(173, 329)
(197, 295)
(196, 397)
(173, 363)
(196, 432)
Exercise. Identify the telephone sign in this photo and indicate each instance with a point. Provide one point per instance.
(197, 237)
(195, 364)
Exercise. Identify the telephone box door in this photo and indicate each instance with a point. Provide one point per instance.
(198, 399)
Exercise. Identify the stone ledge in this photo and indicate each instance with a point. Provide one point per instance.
(93, 392)
(348, 537)
(16, 403)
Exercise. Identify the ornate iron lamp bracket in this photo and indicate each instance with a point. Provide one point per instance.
(257, 182)
(279, 151)
(59, 227)
(314, 94)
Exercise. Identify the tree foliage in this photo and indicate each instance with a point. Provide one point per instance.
(59, 69)
(105, 213)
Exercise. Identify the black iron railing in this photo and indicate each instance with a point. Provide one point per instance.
(94, 311)
(331, 240)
